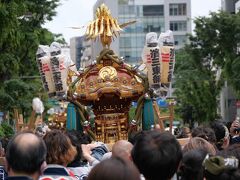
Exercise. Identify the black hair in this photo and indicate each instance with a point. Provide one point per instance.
(229, 174)
(133, 136)
(74, 138)
(25, 158)
(206, 133)
(78, 138)
(84, 137)
(191, 165)
(220, 132)
(5, 141)
(157, 155)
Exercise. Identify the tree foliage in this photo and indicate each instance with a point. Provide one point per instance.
(19, 94)
(6, 131)
(20, 34)
(213, 46)
(196, 88)
(218, 37)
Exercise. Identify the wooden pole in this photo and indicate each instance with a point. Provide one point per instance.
(157, 111)
(16, 118)
(31, 122)
(171, 109)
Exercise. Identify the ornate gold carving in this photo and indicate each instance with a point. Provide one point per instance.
(104, 26)
(108, 72)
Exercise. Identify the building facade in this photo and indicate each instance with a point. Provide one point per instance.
(152, 16)
(86, 54)
(229, 5)
(76, 50)
(81, 51)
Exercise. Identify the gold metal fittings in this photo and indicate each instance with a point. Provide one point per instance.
(108, 72)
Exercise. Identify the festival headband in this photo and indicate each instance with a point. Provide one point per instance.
(217, 164)
(226, 132)
(226, 135)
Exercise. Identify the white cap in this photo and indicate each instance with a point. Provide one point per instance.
(166, 37)
(55, 46)
(151, 38)
(42, 49)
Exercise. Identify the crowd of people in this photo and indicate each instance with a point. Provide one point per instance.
(210, 153)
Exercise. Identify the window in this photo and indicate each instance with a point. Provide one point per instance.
(177, 9)
(126, 10)
(156, 10)
(152, 24)
(178, 25)
(122, 1)
(125, 42)
(151, 28)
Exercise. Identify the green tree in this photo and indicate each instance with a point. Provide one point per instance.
(6, 130)
(20, 34)
(196, 89)
(213, 46)
(16, 93)
(60, 39)
(218, 37)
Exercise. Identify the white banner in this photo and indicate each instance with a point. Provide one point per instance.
(44, 66)
(151, 58)
(59, 69)
(166, 44)
(167, 64)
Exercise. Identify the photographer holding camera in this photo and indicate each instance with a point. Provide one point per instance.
(235, 131)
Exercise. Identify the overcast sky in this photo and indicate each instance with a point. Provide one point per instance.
(79, 13)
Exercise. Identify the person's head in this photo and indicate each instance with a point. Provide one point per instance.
(191, 165)
(84, 138)
(157, 155)
(232, 150)
(204, 132)
(74, 136)
(26, 155)
(114, 168)
(122, 148)
(133, 136)
(59, 148)
(199, 143)
(234, 128)
(219, 168)
(184, 133)
(222, 135)
(5, 141)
